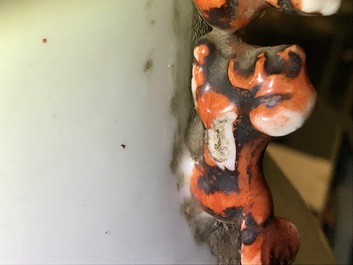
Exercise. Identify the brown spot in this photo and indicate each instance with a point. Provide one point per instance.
(123, 146)
(148, 4)
(148, 66)
(44, 40)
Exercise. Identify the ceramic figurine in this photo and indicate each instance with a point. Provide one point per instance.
(243, 96)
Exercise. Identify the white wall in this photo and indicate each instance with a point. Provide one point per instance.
(69, 192)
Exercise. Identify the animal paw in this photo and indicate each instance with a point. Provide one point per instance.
(277, 243)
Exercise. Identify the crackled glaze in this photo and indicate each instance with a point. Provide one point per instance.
(244, 95)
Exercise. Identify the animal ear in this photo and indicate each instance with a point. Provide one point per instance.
(245, 77)
(307, 7)
(286, 97)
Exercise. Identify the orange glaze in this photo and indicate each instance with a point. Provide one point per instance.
(237, 14)
(200, 53)
(246, 11)
(273, 3)
(254, 196)
(300, 90)
(246, 82)
(297, 4)
(212, 105)
(198, 76)
(281, 84)
(207, 5)
(252, 254)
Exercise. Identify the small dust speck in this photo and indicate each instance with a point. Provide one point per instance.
(153, 22)
(148, 65)
(123, 146)
(44, 40)
(107, 232)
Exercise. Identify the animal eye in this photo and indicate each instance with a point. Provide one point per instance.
(270, 101)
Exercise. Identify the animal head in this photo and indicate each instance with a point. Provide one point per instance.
(231, 15)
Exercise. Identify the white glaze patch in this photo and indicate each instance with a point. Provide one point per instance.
(185, 168)
(281, 124)
(285, 121)
(325, 7)
(221, 142)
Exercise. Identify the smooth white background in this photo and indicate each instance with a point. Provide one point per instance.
(69, 192)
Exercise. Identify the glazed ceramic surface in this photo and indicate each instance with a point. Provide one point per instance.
(87, 132)
(244, 95)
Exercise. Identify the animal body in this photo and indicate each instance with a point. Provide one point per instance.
(243, 96)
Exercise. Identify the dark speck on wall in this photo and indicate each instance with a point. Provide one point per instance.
(148, 4)
(123, 146)
(153, 22)
(148, 66)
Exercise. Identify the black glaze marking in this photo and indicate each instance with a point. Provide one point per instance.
(249, 173)
(233, 213)
(218, 180)
(248, 236)
(221, 17)
(270, 101)
(275, 64)
(244, 132)
(287, 7)
(244, 98)
(268, 221)
(258, 148)
(292, 69)
(229, 214)
(246, 72)
(251, 232)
